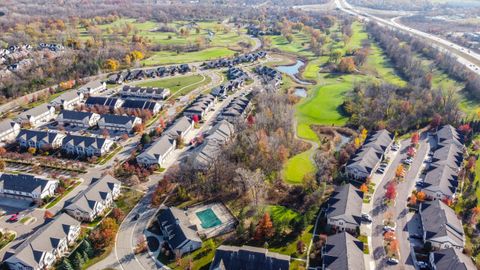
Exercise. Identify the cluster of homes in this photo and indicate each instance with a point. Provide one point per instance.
(256, 31)
(139, 74)
(269, 75)
(230, 62)
(236, 78)
(54, 239)
(15, 57)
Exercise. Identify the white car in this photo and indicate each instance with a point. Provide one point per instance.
(392, 261)
(388, 229)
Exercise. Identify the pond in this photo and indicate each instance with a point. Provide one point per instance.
(300, 92)
(293, 70)
(343, 140)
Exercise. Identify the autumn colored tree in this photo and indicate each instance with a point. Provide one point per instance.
(264, 229)
(195, 118)
(347, 65)
(400, 171)
(111, 64)
(363, 134)
(282, 153)
(104, 235)
(413, 200)
(411, 151)
(389, 236)
(415, 138)
(465, 129)
(436, 120)
(118, 214)
(393, 246)
(139, 128)
(3, 165)
(391, 192)
(3, 151)
(364, 188)
(300, 247)
(48, 215)
(32, 150)
(421, 196)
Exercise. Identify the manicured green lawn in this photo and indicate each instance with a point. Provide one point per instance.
(297, 167)
(281, 213)
(384, 69)
(299, 45)
(175, 84)
(164, 57)
(291, 247)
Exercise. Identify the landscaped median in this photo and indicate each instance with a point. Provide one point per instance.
(63, 194)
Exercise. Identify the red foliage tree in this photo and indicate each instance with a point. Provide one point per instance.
(264, 228)
(415, 138)
(436, 120)
(391, 191)
(48, 215)
(195, 118)
(465, 129)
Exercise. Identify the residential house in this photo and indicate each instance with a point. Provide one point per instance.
(38, 115)
(450, 155)
(248, 258)
(47, 245)
(93, 88)
(269, 75)
(441, 226)
(134, 104)
(78, 119)
(117, 78)
(115, 122)
(200, 106)
(158, 152)
(144, 92)
(235, 110)
(449, 135)
(8, 130)
(369, 156)
(86, 146)
(177, 230)
(40, 140)
(180, 128)
(26, 186)
(68, 100)
(451, 259)
(95, 200)
(344, 208)
(342, 251)
(440, 183)
(106, 102)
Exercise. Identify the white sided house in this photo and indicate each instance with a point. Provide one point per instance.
(180, 128)
(344, 211)
(68, 100)
(95, 200)
(38, 115)
(93, 88)
(8, 130)
(158, 152)
(47, 244)
(144, 92)
(115, 122)
(78, 119)
(86, 146)
(26, 186)
(43, 140)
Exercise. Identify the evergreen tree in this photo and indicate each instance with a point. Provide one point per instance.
(77, 261)
(66, 265)
(87, 248)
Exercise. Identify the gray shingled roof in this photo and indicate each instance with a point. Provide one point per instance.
(179, 126)
(159, 148)
(6, 124)
(38, 136)
(346, 203)
(36, 111)
(452, 259)
(217, 136)
(439, 220)
(449, 154)
(22, 182)
(75, 115)
(343, 252)
(176, 222)
(85, 141)
(248, 258)
(67, 96)
(117, 119)
(43, 240)
(448, 134)
(96, 192)
(442, 178)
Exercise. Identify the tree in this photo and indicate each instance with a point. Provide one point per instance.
(48, 215)
(411, 151)
(335, 55)
(400, 171)
(364, 188)
(300, 247)
(264, 229)
(421, 196)
(77, 260)
(2, 165)
(111, 64)
(32, 150)
(413, 200)
(118, 214)
(346, 65)
(251, 180)
(393, 246)
(195, 118)
(65, 264)
(146, 139)
(436, 120)
(391, 192)
(136, 55)
(415, 138)
(86, 247)
(389, 236)
(138, 128)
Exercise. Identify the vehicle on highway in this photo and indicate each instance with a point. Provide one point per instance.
(388, 229)
(392, 261)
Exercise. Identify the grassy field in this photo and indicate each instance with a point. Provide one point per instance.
(297, 167)
(166, 57)
(184, 84)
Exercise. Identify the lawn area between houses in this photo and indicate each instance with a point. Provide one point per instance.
(179, 85)
(57, 199)
(166, 57)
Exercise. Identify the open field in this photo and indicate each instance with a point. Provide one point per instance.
(179, 85)
(166, 57)
(297, 167)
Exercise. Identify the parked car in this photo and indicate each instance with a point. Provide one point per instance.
(383, 165)
(380, 170)
(420, 184)
(388, 229)
(13, 218)
(137, 215)
(422, 265)
(392, 261)
(367, 218)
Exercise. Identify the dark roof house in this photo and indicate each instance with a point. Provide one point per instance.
(248, 258)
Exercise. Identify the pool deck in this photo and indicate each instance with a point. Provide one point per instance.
(227, 220)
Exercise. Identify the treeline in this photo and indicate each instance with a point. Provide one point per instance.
(394, 5)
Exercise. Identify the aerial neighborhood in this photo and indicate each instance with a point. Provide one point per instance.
(240, 135)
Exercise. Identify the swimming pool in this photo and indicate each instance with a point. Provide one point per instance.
(208, 218)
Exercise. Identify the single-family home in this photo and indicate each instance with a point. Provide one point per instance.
(180, 128)
(115, 122)
(248, 258)
(47, 244)
(136, 104)
(450, 259)
(78, 119)
(68, 100)
(344, 208)
(178, 231)
(8, 130)
(144, 92)
(158, 152)
(369, 156)
(26, 186)
(447, 134)
(235, 110)
(95, 200)
(342, 251)
(106, 102)
(92, 88)
(38, 115)
(86, 146)
(450, 155)
(440, 183)
(200, 106)
(441, 226)
(40, 140)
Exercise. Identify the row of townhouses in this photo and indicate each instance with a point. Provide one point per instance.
(111, 122)
(236, 109)
(236, 78)
(139, 74)
(226, 62)
(269, 75)
(200, 106)
(128, 104)
(84, 146)
(144, 92)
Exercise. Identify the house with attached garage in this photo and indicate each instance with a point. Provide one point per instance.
(235, 110)
(86, 146)
(46, 245)
(342, 251)
(158, 152)
(68, 100)
(450, 155)
(441, 226)
(78, 119)
(177, 230)
(440, 183)
(8, 130)
(26, 186)
(144, 92)
(180, 128)
(367, 158)
(248, 258)
(38, 115)
(344, 208)
(40, 140)
(115, 122)
(95, 200)
(449, 135)
(105, 102)
(93, 88)
(451, 259)
(135, 104)
(200, 106)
